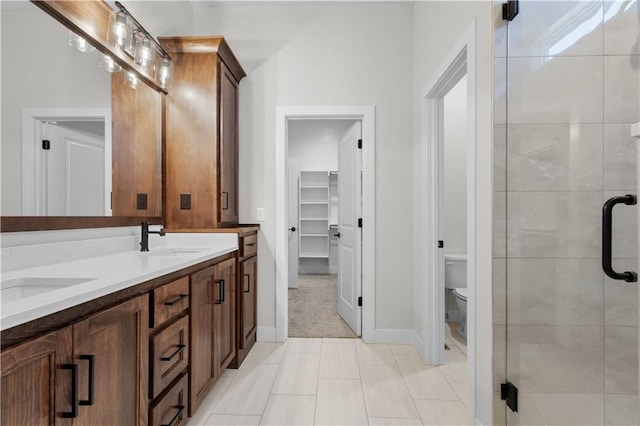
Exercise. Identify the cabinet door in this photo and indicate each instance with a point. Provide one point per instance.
(224, 314)
(249, 302)
(111, 349)
(35, 386)
(228, 160)
(201, 365)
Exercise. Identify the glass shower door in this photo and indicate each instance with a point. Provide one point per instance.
(567, 91)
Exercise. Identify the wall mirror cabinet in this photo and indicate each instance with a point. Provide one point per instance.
(80, 146)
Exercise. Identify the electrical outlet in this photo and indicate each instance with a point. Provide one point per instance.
(141, 201)
(185, 201)
(260, 214)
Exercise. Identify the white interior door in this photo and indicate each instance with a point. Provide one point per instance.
(293, 225)
(73, 173)
(350, 241)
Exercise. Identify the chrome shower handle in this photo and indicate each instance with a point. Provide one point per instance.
(607, 225)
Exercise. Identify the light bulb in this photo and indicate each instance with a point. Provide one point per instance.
(107, 63)
(120, 31)
(144, 54)
(79, 43)
(164, 74)
(132, 80)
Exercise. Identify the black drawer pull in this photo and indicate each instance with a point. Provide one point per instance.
(176, 300)
(221, 292)
(248, 290)
(250, 244)
(225, 194)
(91, 359)
(176, 352)
(74, 391)
(173, 420)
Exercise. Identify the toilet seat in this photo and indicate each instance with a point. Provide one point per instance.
(461, 293)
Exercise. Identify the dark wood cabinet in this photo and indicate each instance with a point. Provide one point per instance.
(36, 387)
(111, 351)
(212, 327)
(201, 134)
(225, 315)
(94, 372)
(247, 299)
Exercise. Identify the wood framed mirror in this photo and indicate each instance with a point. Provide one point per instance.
(131, 189)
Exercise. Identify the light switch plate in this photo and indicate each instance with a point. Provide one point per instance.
(260, 214)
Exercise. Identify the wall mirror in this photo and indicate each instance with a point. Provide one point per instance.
(80, 147)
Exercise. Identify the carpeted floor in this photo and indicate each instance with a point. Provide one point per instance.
(313, 308)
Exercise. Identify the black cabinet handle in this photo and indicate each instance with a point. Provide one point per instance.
(173, 420)
(221, 291)
(74, 391)
(179, 349)
(250, 244)
(91, 359)
(337, 235)
(292, 229)
(607, 224)
(248, 290)
(225, 206)
(176, 300)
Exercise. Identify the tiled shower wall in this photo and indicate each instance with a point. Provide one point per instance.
(566, 92)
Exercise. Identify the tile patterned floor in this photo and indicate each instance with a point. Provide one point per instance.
(309, 381)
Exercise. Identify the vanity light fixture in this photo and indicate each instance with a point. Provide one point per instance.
(79, 43)
(107, 63)
(145, 56)
(164, 73)
(121, 31)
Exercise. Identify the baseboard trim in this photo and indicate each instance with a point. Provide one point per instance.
(266, 334)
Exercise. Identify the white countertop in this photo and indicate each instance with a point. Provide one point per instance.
(111, 273)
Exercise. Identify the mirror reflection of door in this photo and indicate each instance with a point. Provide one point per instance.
(71, 172)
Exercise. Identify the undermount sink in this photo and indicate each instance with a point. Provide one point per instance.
(175, 252)
(20, 288)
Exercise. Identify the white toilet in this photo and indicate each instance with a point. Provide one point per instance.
(455, 279)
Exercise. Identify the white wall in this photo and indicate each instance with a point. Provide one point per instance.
(40, 70)
(455, 169)
(438, 25)
(315, 142)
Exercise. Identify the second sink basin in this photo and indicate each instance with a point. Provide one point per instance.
(20, 288)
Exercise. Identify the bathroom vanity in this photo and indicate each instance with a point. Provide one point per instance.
(127, 338)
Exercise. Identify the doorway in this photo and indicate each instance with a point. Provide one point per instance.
(66, 162)
(324, 241)
(364, 116)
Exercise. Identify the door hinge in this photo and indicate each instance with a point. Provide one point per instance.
(359, 143)
(510, 10)
(360, 223)
(509, 393)
(46, 144)
(360, 301)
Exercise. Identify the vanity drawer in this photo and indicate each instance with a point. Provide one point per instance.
(169, 354)
(248, 245)
(169, 300)
(171, 409)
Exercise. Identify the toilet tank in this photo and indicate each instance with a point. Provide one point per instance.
(455, 270)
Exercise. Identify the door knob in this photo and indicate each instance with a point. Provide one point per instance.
(337, 235)
(292, 229)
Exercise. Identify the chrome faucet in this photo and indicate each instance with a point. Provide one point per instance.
(144, 244)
